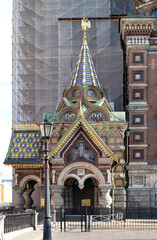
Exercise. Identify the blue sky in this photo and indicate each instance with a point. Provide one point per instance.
(5, 83)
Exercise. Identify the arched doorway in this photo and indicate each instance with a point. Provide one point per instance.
(83, 196)
(76, 197)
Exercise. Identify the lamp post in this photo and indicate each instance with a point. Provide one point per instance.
(46, 130)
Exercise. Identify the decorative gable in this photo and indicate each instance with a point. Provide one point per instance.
(81, 122)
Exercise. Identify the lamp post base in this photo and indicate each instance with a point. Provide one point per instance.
(47, 229)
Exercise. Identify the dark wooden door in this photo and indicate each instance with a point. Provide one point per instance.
(86, 193)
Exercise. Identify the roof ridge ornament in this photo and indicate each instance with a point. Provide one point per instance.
(80, 109)
(85, 23)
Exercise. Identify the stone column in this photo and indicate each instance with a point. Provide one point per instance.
(105, 199)
(27, 197)
(56, 198)
(19, 201)
(108, 176)
(53, 176)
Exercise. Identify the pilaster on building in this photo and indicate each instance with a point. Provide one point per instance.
(140, 43)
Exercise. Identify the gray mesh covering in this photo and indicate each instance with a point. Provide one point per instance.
(47, 39)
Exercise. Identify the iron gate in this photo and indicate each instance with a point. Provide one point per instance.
(74, 220)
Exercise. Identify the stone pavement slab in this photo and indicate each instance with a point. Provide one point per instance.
(93, 235)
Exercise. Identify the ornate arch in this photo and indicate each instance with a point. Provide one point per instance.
(66, 110)
(28, 178)
(96, 109)
(96, 173)
(72, 90)
(95, 90)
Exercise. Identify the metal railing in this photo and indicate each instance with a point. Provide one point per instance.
(13, 222)
(85, 219)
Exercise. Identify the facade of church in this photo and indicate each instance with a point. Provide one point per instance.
(98, 156)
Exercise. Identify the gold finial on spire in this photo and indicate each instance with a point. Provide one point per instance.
(85, 23)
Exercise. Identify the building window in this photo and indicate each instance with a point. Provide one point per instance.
(138, 76)
(137, 119)
(138, 154)
(138, 94)
(138, 57)
(138, 137)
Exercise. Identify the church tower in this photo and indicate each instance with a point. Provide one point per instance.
(86, 148)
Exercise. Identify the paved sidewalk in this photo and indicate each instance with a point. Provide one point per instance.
(93, 235)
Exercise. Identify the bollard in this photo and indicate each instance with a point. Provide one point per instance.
(35, 220)
(54, 218)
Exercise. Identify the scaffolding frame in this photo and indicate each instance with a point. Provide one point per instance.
(47, 38)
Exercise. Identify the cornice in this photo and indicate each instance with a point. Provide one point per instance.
(26, 126)
(142, 167)
(138, 107)
(27, 165)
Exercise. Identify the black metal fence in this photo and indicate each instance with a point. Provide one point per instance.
(85, 219)
(104, 219)
(13, 222)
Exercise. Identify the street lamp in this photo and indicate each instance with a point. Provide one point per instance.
(46, 130)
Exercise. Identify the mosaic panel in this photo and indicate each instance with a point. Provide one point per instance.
(138, 137)
(138, 119)
(69, 117)
(77, 93)
(81, 151)
(138, 76)
(25, 145)
(96, 117)
(138, 57)
(138, 180)
(91, 93)
(138, 154)
(138, 94)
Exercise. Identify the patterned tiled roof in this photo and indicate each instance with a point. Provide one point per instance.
(85, 73)
(24, 147)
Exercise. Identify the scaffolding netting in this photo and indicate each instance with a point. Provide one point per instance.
(47, 39)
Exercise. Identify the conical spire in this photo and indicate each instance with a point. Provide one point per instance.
(85, 73)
